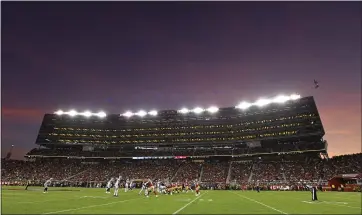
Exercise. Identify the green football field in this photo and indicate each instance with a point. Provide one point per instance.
(15, 200)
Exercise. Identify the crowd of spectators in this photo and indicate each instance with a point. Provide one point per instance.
(210, 171)
(41, 169)
(214, 172)
(188, 171)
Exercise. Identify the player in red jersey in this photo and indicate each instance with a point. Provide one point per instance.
(197, 188)
(150, 188)
(187, 186)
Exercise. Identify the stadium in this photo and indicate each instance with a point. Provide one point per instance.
(250, 158)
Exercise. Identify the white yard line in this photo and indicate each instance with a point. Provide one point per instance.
(260, 203)
(179, 210)
(92, 206)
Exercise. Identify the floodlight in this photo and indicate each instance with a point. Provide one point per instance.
(244, 105)
(198, 110)
(294, 97)
(153, 113)
(101, 114)
(87, 113)
(141, 113)
(281, 99)
(128, 114)
(213, 109)
(262, 102)
(72, 113)
(59, 112)
(184, 110)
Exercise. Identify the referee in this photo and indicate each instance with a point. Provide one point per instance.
(27, 184)
(314, 194)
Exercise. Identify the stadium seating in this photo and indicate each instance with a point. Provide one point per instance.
(247, 172)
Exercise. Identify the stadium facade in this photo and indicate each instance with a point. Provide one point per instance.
(281, 125)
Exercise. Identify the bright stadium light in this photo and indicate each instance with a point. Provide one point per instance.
(184, 110)
(262, 102)
(153, 113)
(213, 109)
(72, 113)
(281, 99)
(59, 112)
(87, 113)
(198, 110)
(141, 113)
(128, 114)
(101, 114)
(244, 105)
(294, 97)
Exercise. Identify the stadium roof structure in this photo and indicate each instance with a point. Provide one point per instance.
(280, 99)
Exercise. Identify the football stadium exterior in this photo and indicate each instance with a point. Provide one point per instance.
(289, 124)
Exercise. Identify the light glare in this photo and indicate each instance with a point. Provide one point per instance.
(262, 102)
(59, 112)
(244, 105)
(141, 113)
(87, 113)
(184, 110)
(102, 114)
(153, 113)
(213, 109)
(198, 110)
(294, 97)
(72, 113)
(281, 99)
(128, 114)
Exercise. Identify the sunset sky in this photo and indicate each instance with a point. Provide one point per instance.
(120, 56)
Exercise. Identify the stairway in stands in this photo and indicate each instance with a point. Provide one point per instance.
(251, 173)
(229, 173)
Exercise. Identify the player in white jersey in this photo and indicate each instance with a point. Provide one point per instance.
(162, 188)
(158, 183)
(127, 185)
(46, 184)
(143, 188)
(109, 185)
(116, 186)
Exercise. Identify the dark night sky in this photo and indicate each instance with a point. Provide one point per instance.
(118, 56)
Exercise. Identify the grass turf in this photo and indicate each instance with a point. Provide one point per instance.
(15, 200)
